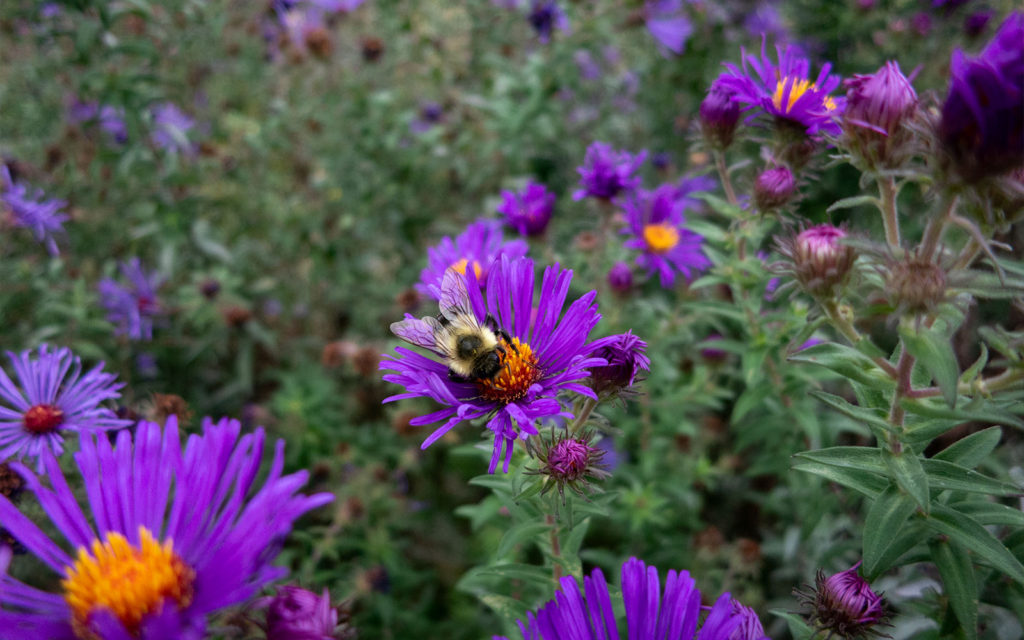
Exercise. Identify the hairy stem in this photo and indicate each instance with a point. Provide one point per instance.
(723, 174)
(588, 407)
(556, 547)
(1004, 380)
(934, 231)
(853, 336)
(890, 217)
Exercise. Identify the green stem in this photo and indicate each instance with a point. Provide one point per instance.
(588, 407)
(934, 231)
(850, 332)
(1004, 380)
(556, 547)
(890, 217)
(723, 174)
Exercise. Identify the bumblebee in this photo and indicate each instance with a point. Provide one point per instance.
(471, 349)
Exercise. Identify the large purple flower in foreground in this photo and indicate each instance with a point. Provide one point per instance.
(528, 211)
(656, 229)
(31, 209)
(550, 355)
(132, 307)
(785, 90)
(51, 397)
(475, 249)
(982, 125)
(606, 172)
(170, 536)
(652, 613)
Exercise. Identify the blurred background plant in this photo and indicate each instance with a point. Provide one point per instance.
(260, 184)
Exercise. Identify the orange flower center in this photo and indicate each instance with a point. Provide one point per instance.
(519, 373)
(460, 267)
(42, 418)
(661, 237)
(131, 583)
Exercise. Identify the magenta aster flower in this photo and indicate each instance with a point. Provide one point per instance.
(529, 210)
(569, 461)
(620, 277)
(606, 172)
(773, 188)
(52, 397)
(668, 24)
(982, 125)
(785, 90)
(476, 248)
(719, 115)
(626, 356)
(877, 107)
(820, 261)
(844, 604)
(656, 229)
(297, 614)
(652, 613)
(550, 355)
(170, 536)
(133, 306)
(31, 209)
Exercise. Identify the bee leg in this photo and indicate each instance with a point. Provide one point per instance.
(492, 324)
(508, 340)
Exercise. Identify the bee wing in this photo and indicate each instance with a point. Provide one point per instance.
(454, 301)
(421, 332)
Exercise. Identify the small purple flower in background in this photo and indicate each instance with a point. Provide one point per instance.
(773, 188)
(982, 124)
(31, 210)
(49, 10)
(52, 397)
(174, 536)
(294, 613)
(785, 90)
(652, 613)
(975, 23)
(430, 114)
(477, 248)
(551, 355)
(620, 277)
(766, 21)
(110, 119)
(843, 604)
(656, 225)
(668, 24)
(719, 115)
(590, 69)
(171, 127)
(132, 307)
(529, 210)
(626, 356)
(335, 6)
(545, 16)
(606, 172)
(305, 29)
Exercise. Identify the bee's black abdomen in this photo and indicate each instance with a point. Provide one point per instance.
(487, 365)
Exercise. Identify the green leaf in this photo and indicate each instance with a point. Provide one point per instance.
(954, 565)
(988, 513)
(912, 534)
(723, 207)
(885, 519)
(971, 450)
(966, 531)
(979, 409)
(906, 469)
(516, 571)
(797, 626)
(870, 417)
(866, 483)
(934, 350)
(946, 475)
(520, 533)
(855, 201)
(845, 361)
(863, 458)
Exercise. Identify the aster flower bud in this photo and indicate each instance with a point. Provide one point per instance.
(773, 188)
(877, 107)
(820, 262)
(915, 285)
(626, 357)
(844, 604)
(297, 614)
(620, 278)
(719, 115)
(568, 461)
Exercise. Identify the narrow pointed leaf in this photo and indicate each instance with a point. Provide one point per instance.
(885, 519)
(971, 450)
(909, 474)
(863, 482)
(946, 475)
(934, 350)
(957, 574)
(969, 533)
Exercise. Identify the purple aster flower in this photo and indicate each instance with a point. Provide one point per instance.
(751, 627)
(172, 536)
(773, 188)
(479, 246)
(719, 115)
(529, 210)
(171, 126)
(52, 397)
(877, 107)
(785, 90)
(297, 614)
(545, 16)
(335, 6)
(975, 23)
(982, 125)
(589, 68)
(570, 461)
(656, 226)
(820, 261)
(132, 307)
(765, 20)
(305, 30)
(843, 604)
(626, 356)
(620, 277)
(110, 119)
(546, 357)
(430, 114)
(606, 172)
(652, 613)
(31, 209)
(668, 24)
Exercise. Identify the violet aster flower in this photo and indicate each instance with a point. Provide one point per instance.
(545, 16)
(476, 248)
(132, 307)
(785, 90)
(529, 210)
(843, 604)
(656, 229)
(430, 114)
(550, 356)
(668, 24)
(652, 613)
(877, 107)
(982, 125)
(51, 398)
(32, 210)
(335, 6)
(765, 20)
(719, 115)
(620, 277)
(109, 118)
(569, 461)
(606, 172)
(171, 126)
(626, 356)
(297, 614)
(773, 188)
(170, 536)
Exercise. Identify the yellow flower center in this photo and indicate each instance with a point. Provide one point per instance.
(131, 583)
(830, 104)
(460, 267)
(797, 88)
(661, 237)
(519, 373)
